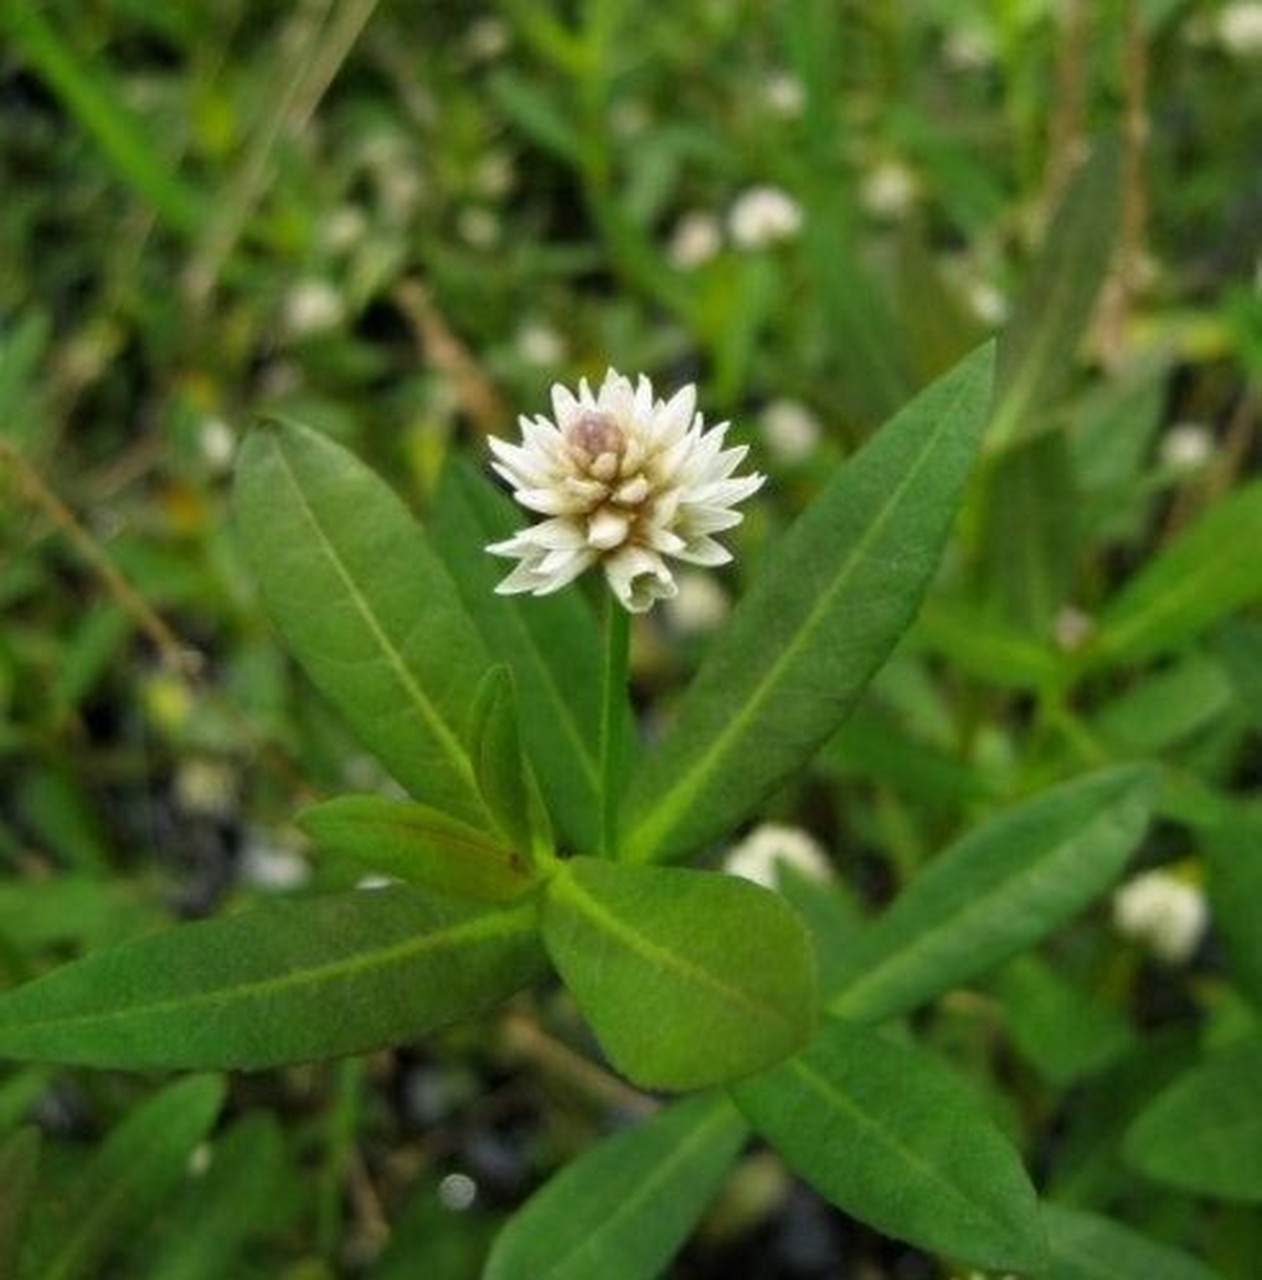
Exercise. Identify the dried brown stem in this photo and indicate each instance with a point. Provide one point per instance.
(174, 655)
(528, 1040)
(475, 392)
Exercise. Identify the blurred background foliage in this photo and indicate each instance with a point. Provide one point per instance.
(401, 222)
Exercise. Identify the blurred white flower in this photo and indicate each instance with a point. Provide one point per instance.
(790, 430)
(268, 865)
(986, 301)
(478, 228)
(540, 344)
(696, 239)
(313, 306)
(784, 95)
(763, 216)
(626, 481)
(1072, 628)
(457, 1192)
(1240, 30)
(218, 444)
(968, 49)
(372, 882)
(495, 175)
(344, 228)
(488, 38)
(762, 852)
(889, 190)
(206, 786)
(1163, 912)
(1187, 446)
(701, 605)
(629, 117)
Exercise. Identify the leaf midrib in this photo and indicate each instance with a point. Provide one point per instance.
(566, 885)
(649, 834)
(720, 1111)
(447, 740)
(474, 844)
(850, 1001)
(821, 1084)
(502, 923)
(1115, 636)
(101, 1211)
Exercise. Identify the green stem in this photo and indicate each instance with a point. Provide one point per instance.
(613, 729)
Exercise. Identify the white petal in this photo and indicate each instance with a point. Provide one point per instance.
(727, 492)
(663, 540)
(563, 571)
(523, 578)
(672, 419)
(549, 502)
(638, 577)
(557, 534)
(607, 529)
(518, 545)
(643, 401)
(565, 405)
(633, 492)
(704, 551)
(706, 519)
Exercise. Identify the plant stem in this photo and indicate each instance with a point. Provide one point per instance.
(613, 703)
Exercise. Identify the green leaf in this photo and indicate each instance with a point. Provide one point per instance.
(552, 646)
(19, 1164)
(206, 1231)
(288, 982)
(1038, 348)
(126, 141)
(833, 598)
(622, 1209)
(1207, 573)
(497, 757)
(1030, 544)
(1060, 1028)
(19, 1092)
(689, 978)
(1086, 1246)
(986, 648)
(419, 845)
(892, 1137)
(130, 1176)
(366, 607)
(1204, 1132)
(999, 890)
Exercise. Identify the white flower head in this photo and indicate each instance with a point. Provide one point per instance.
(539, 344)
(1162, 911)
(627, 482)
(767, 848)
(1187, 446)
(701, 605)
(488, 38)
(696, 239)
(313, 306)
(889, 190)
(1240, 29)
(784, 95)
(790, 429)
(764, 216)
(218, 444)
(1072, 628)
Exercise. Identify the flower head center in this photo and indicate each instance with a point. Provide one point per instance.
(593, 435)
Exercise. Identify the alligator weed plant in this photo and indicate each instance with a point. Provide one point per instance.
(540, 833)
